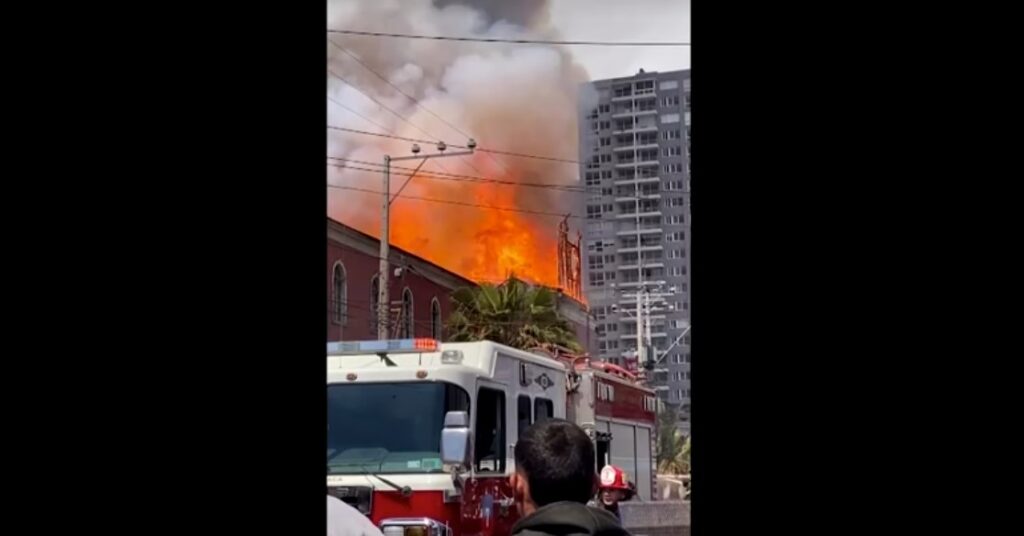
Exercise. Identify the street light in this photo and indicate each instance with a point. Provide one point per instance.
(385, 235)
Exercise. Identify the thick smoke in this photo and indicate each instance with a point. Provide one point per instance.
(520, 98)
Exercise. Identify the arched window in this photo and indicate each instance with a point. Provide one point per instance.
(374, 300)
(435, 319)
(339, 294)
(406, 330)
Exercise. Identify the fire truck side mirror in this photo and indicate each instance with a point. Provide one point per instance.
(455, 438)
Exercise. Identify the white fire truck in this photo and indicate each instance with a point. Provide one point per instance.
(421, 434)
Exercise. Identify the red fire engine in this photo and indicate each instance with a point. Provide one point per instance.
(421, 434)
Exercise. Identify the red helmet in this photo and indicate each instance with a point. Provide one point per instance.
(614, 478)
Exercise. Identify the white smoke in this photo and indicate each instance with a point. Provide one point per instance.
(519, 98)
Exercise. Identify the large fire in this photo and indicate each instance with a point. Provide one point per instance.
(514, 98)
(479, 244)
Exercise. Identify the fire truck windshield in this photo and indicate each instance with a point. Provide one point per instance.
(388, 427)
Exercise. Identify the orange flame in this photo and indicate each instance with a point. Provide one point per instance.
(479, 244)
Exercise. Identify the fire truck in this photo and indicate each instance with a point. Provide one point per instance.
(421, 434)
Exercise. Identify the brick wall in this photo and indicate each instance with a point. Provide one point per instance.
(659, 518)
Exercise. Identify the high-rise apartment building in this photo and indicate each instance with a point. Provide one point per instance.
(634, 159)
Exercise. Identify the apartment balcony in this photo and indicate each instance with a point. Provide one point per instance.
(633, 249)
(637, 180)
(632, 199)
(635, 112)
(654, 335)
(643, 231)
(634, 268)
(633, 163)
(634, 215)
(626, 148)
(637, 129)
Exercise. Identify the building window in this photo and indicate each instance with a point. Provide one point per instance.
(604, 108)
(670, 101)
(339, 294)
(406, 330)
(668, 84)
(435, 319)
(674, 150)
(673, 168)
(670, 118)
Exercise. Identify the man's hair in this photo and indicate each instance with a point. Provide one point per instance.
(557, 458)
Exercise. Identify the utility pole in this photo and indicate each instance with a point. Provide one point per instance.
(383, 303)
(641, 354)
(385, 250)
(647, 322)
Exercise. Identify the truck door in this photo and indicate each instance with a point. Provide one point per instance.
(488, 506)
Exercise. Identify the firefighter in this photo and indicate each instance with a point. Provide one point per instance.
(614, 488)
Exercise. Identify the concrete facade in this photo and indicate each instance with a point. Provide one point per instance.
(635, 150)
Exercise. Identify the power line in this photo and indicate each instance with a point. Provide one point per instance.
(371, 121)
(415, 101)
(407, 181)
(447, 202)
(431, 176)
(403, 138)
(472, 178)
(396, 114)
(479, 149)
(518, 41)
(523, 155)
(398, 89)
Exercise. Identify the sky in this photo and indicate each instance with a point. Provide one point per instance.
(625, 20)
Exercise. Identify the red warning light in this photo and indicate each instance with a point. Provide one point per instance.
(429, 345)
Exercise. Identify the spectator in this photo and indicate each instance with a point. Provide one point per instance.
(554, 479)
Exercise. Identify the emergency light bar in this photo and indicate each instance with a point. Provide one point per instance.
(388, 346)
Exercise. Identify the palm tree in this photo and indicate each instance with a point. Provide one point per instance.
(512, 313)
(673, 449)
